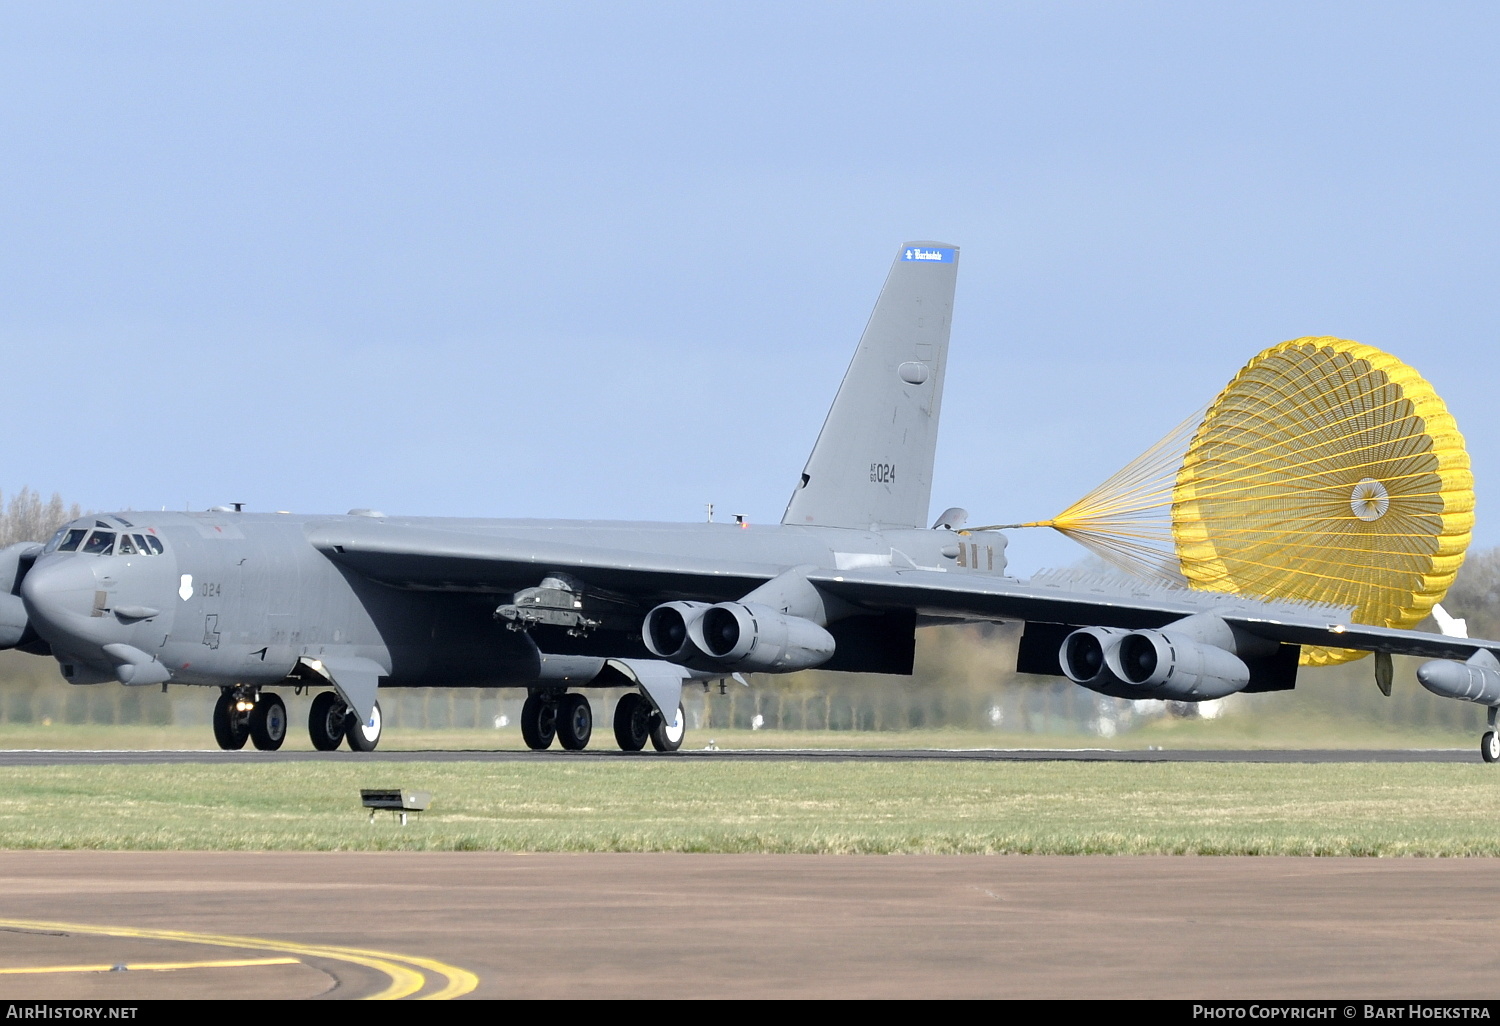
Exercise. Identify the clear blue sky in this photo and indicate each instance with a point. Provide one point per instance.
(611, 259)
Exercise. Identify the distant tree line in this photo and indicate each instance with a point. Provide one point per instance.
(27, 518)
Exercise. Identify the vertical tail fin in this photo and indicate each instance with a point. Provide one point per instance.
(872, 464)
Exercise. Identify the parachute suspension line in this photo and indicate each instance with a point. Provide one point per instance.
(1326, 471)
(1127, 520)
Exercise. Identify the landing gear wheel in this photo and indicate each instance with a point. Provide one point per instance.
(632, 722)
(268, 723)
(575, 722)
(538, 723)
(1489, 746)
(230, 729)
(325, 723)
(364, 735)
(667, 737)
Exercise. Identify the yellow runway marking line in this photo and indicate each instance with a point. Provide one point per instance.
(406, 972)
(156, 967)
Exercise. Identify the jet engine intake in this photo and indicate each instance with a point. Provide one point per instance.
(666, 631)
(1168, 665)
(1084, 653)
(754, 637)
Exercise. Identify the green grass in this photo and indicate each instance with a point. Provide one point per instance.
(853, 807)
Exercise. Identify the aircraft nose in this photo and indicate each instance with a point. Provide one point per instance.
(56, 592)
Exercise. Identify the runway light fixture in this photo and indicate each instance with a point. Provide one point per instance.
(398, 801)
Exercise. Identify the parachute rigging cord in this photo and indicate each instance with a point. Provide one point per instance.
(1326, 471)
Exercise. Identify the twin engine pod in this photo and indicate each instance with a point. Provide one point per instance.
(735, 636)
(1193, 660)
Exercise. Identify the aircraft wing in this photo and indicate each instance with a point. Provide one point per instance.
(405, 556)
(1113, 603)
(409, 556)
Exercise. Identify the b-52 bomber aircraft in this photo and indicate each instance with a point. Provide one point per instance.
(351, 605)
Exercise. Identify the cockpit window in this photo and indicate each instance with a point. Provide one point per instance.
(155, 544)
(55, 540)
(141, 546)
(127, 547)
(99, 543)
(71, 539)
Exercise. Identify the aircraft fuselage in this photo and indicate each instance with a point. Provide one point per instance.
(240, 598)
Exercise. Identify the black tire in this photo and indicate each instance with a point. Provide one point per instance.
(229, 725)
(632, 722)
(268, 723)
(1489, 746)
(363, 736)
(325, 723)
(665, 738)
(538, 723)
(575, 722)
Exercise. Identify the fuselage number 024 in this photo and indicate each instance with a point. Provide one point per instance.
(882, 473)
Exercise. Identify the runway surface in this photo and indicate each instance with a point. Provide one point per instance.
(1326, 755)
(661, 926)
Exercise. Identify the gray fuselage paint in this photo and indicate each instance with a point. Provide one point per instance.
(260, 594)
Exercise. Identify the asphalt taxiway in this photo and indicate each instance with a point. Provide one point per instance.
(1309, 755)
(126, 925)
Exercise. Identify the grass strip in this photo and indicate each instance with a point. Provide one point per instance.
(1365, 809)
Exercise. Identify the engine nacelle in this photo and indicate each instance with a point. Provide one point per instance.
(667, 630)
(15, 560)
(1169, 665)
(1083, 657)
(756, 638)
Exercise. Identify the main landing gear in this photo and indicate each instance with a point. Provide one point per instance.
(637, 721)
(246, 714)
(1489, 745)
(243, 714)
(569, 719)
(330, 722)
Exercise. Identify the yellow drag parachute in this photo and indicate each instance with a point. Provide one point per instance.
(1326, 471)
